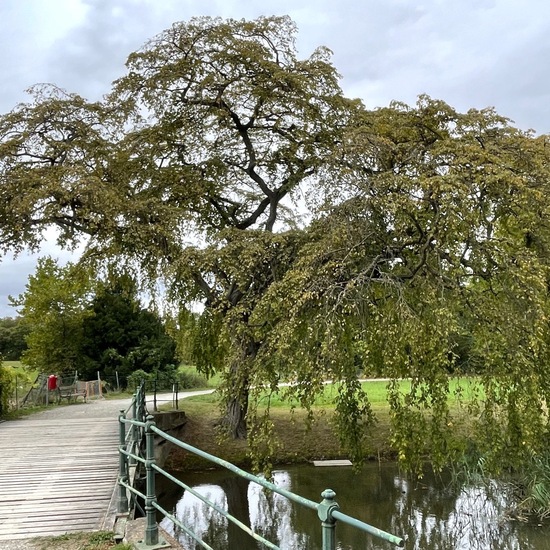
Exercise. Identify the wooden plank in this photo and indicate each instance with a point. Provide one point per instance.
(332, 463)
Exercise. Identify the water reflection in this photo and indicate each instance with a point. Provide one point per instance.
(429, 514)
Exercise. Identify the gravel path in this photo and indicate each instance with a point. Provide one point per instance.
(106, 408)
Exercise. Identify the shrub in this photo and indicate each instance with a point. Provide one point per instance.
(135, 379)
(188, 379)
(164, 378)
(7, 384)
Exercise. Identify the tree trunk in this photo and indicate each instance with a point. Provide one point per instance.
(237, 403)
(235, 415)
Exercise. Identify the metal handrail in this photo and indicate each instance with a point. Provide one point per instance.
(327, 510)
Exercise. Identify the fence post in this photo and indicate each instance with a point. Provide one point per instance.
(325, 515)
(151, 530)
(122, 466)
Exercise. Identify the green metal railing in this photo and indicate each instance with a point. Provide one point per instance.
(327, 510)
(130, 442)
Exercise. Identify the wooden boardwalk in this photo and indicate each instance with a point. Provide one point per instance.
(58, 471)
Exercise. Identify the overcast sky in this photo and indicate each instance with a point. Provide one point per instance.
(469, 53)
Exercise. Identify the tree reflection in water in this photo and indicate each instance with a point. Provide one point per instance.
(429, 514)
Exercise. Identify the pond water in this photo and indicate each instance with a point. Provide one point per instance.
(429, 514)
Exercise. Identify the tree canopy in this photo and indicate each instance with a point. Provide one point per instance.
(441, 233)
(321, 238)
(52, 310)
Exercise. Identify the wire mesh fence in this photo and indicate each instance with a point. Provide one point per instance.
(42, 389)
(35, 390)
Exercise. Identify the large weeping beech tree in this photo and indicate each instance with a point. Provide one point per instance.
(190, 168)
(432, 231)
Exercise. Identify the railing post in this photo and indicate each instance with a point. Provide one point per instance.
(325, 515)
(140, 411)
(122, 505)
(151, 530)
(138, 403)
(134, 428)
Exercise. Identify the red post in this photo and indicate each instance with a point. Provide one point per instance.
(52, 382)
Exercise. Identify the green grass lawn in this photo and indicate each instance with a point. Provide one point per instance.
(20, 369)
(13, 364)
(464, 389)
(25, 376)
(198, 380)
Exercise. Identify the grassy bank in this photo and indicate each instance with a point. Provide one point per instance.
(297, 443)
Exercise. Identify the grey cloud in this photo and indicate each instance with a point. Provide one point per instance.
(473, 53)
(92, 54)
(470, 54)
(89, 57)
(20, 59)
(13, 276)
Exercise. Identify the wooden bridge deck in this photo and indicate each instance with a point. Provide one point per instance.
(58, 470)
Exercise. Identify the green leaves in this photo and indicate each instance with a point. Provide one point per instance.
(438, 231)
(120, 336)
(53, 169)
(7, 385)
(53, 309)
(239, 120)
(422, 247)
(12, 338)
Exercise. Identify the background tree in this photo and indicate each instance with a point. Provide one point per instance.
(120, 336)
(77, 322)
(12, 338)
(52, 310)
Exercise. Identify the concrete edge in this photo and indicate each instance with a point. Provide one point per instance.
(111, 515)
(135, 533)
